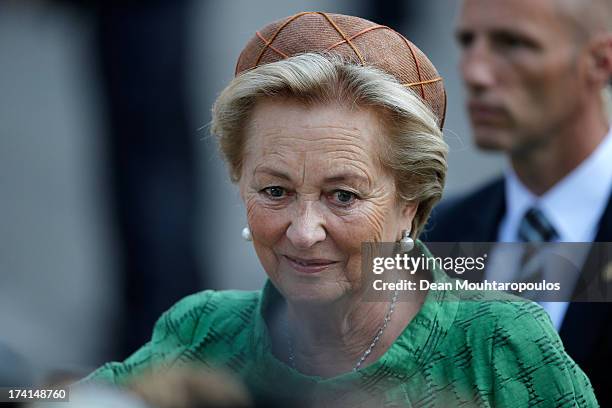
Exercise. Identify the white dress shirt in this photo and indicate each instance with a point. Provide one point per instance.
(573, 206)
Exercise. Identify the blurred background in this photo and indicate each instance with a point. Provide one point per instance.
(114, 202)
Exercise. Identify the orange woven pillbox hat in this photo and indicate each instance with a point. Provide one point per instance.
(355, 39)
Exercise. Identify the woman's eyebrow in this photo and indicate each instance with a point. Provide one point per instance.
(336, 178)
(343, 177)
(272, 172)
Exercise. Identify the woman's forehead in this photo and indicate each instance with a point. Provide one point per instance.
(315, 142)
(276, 124)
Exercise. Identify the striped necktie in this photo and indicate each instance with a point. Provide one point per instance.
(534, 230)
(535, 227)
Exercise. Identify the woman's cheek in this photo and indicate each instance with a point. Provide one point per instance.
(364, 225)
(266, 223)
(267, 229)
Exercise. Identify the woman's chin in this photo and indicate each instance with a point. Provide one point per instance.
(309, 294)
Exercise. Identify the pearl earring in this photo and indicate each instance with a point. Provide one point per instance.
(246, 234)
(406, 243)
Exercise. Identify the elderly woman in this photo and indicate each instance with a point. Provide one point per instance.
(331, 130)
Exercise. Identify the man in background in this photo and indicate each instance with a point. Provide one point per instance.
(535, 73)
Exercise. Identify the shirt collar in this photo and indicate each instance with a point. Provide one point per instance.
(575, 204)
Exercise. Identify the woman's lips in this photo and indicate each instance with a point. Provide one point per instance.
(309, 265)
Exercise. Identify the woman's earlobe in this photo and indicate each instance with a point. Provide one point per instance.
(409, 211)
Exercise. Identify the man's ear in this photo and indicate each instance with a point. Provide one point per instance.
(599, 69)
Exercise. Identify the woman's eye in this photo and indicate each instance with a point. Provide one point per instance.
(274, 192)
(343, 197)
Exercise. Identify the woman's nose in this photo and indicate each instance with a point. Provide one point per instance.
(307, 225)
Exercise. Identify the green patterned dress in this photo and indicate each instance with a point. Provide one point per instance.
(454, 353)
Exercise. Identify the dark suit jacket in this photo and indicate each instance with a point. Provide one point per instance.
(587, 327)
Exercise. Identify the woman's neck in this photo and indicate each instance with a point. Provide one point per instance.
(329, 340)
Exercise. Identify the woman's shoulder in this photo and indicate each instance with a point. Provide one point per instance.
(500, 307)
(502, 312)
(506, 320)
(528, 362)
(195, 314)
(211, 301)
(200, 318)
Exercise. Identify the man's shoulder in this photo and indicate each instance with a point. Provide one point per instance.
(456, 216)
(474, 198)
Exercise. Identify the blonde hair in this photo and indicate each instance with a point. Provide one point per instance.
(414, 152)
